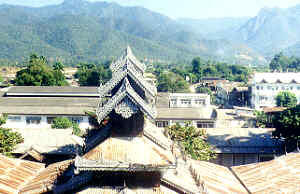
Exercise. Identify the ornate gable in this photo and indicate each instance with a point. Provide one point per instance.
(127, 91)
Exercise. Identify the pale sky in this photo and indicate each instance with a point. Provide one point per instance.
(187, 8)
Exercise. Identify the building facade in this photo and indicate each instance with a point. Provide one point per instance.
(266, 86)
(188, 100)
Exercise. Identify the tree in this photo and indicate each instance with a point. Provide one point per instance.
(39, 73)
(287, 126)
(8, 138)
(261, 119)
(192, 141)
(286, 99)
(1, 79)
(61, 123)
(279, 62)
(92, 75)
(206, 90)
(171, 82)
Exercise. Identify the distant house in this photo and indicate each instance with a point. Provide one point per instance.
(179, 108)
(266, 86)
(239, 146)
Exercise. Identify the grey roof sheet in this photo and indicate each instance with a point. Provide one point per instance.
(242, 140)
(44, 105)
(53, 90)
(185, 113)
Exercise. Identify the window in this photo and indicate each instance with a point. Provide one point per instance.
(257, 87)
(14, 118)
(162, 123)
(50, 120)
(33, 120)
(201, 124)
(200, 101)
(185, 101)
(76, 119)
(266, 157)
(173, 101)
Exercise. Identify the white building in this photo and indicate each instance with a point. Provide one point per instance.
(266, 86)
(37, 107)
(188, 100)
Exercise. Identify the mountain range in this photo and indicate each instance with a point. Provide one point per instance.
(81, 31)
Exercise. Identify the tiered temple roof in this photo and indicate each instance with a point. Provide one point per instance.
(128, 90)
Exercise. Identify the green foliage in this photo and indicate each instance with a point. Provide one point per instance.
(286, 99)
(8, 140)
(61, 123)
(92, 75)
(76, 130)
(171, 82)
(287, 126)
(206, 90)
(39, 73)
(1, 78)
(283, 63)
(261, 119)
(3, 119)
(192, 142)
(93, 119)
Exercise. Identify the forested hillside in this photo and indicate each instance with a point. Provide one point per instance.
(81, 31)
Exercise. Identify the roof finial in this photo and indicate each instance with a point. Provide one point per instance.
(128, 50)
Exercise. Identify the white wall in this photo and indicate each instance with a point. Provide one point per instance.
(264, 94)
(188, 100)
(84, 124)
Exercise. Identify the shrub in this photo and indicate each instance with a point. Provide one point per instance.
(8, 140)
(61, 123)
(76, 130)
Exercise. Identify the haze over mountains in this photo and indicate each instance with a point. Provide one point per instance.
(81, 31)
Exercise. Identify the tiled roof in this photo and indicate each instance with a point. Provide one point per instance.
(281, 175)
(274, 109)
(215, 178)
(15, 173)
(242, 140)
(128, 152)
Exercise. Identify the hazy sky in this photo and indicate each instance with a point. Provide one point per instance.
(188, 8)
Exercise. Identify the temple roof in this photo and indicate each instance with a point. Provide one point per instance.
(128, 100)
(120, 74)
(126, 153)
(127, 58)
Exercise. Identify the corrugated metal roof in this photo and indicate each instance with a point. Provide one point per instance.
(136, 150)
(281, 175)
(215, 178)
(15, 173)
(22, 176)
(242, 140)
(45, 179)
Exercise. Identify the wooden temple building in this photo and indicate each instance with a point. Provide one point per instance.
(135, 155)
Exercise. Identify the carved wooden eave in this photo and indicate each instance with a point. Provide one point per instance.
(83, 164)
(127, 58)
(129, 100)
(125, 71)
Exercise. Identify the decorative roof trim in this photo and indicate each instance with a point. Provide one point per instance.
(125, 59)
(83, 164)
(122, 73)
(125, 90)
